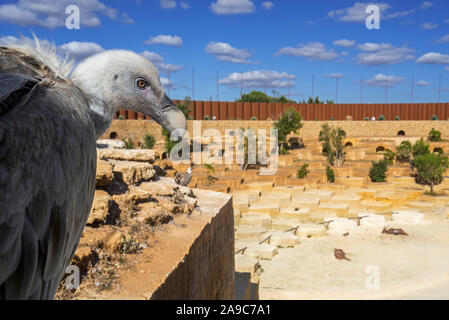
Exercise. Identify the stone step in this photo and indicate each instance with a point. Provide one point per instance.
(413, 217)
(264, 207)
(299, 214)
(246, 264)
(259, 251)
(319, 193)
(311, 230)
(340, 225)
(283, 239)
(284, 223)
(256, 219)
(249, 232)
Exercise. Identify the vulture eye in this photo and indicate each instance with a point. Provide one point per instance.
(141, 84)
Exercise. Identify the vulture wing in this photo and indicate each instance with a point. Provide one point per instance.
(47, 175)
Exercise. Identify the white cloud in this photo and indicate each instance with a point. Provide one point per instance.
(185, 5)
(259, 79)
(383, 80)
(357, 13)
(168, 40)
(447, 69)
(334, 75)
(373, 47)
(312, 50)
(167, 4)
(232, 6)
(158, 61)
(426, 5)
(433, 58)
(51, 14)
(422, 83)
(80, 50)
(386, 56)
(345, 53)
(267, 5)
(429, 26)
(443, 39)
(344, 43)
(225, 52)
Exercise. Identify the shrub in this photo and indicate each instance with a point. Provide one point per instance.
(434, 135)
(434, 117)
(330, 174)
(366, 118)
(381, 117)
(404, 152)
(121, 117)
(129, 144)
(332, 140)
(254, 118)
(302, 172)
(389, 156)
(397, 118)
(332, 119)
(206, 118)
(378, 171)
(148, 141)
(430, 169)
(420, 148)
(289, 122)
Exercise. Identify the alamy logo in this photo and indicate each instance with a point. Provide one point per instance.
(73, 17)
(373, 20)
(372, 282)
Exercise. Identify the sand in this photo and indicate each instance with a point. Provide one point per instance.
(413, 267)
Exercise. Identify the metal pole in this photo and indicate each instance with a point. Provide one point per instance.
(193, 83)
(168, 84)
(313, 86)
(386, 91)
(336, 89)
(361, 89)
(218, 97)
(439, 89)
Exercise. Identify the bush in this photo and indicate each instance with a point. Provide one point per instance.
(129, 144)
(332, 141)
(434, 135)
(332, 119)
(381, 117)
(289, 122)
(389, 156)
(434, 117)
(397, 118)
(121, 117)
(206, 118)
(420, 148)
(330, 174)
(302, 172)
(378, 171)
(254, 118)
(430, 169)
(148, 141)
(366, 118)
(404, 152)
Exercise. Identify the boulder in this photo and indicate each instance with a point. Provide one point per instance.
(105, 173)
(133, 172)
(140, 155)
(100, 208)
(110, 144)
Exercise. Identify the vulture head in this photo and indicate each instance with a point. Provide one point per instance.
(120, 79)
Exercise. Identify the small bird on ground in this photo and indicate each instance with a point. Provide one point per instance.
(394, 231)
(340, 254)
(184, 178)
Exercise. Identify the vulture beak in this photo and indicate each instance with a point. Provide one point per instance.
(171, 118)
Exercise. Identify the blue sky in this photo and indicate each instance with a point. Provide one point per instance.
(257, 44)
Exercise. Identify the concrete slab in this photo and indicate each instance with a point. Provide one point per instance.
(300, 214)
(284, 223)
(249, 232)
(347, 197)
(311, 230)
(283, 239)
(260, 251)
(412, 217)
(333, 207)
(264, 207)
(319, 193)
(245, 264)
(305, 201)
(340, 225)
(256, 219)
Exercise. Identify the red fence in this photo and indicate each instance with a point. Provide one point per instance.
(322, 112)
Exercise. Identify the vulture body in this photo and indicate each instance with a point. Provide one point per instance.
(49, 125)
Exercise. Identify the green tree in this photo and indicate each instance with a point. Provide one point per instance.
(259, 96)
(378, 171)
(332, 140)
(148, 141)
(389, 156)
(330, 174)
(434, 135)
(420, 148)
(302, 172)
(404, 152)
(430, 169)
(289, 122)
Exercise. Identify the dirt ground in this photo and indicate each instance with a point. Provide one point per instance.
(409, 267)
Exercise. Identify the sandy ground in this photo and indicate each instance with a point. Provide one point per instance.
(413, 267)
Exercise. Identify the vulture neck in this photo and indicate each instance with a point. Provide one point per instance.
(102, 116)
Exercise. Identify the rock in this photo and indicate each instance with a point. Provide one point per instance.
(150, 213)
(115, 240)
(133, 172)
(100, 208)
(139, 155)
(105, 173)
(158, 189)
(110, 144)
(84, 256)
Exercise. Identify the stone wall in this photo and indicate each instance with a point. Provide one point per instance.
(207, 269)
(136, 129)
